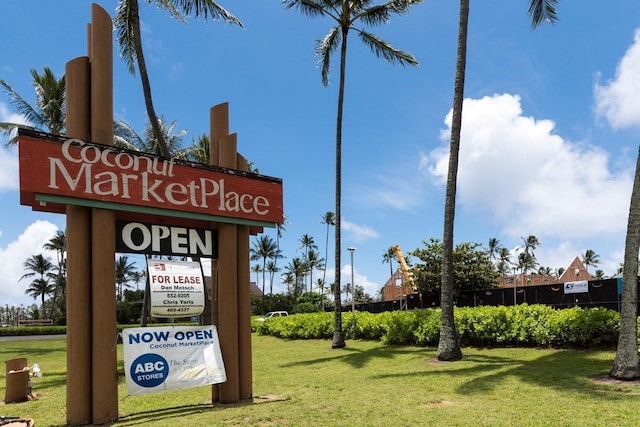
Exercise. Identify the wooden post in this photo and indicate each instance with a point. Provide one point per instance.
(78, 240)
(228, 287)
(245, 369)
(104, 354)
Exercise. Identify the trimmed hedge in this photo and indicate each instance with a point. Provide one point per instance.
(14, 331)
(488, 326)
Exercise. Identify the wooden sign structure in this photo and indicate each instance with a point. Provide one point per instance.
(96, 185)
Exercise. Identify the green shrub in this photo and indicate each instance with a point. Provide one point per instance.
(522, 325)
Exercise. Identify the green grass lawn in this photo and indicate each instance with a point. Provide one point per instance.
(367, 384)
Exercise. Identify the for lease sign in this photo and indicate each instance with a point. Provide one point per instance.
(79, 169)
(171, 358)
(177, 288)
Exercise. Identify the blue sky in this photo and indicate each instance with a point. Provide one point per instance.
(550, 122)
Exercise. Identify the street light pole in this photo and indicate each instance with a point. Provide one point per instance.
(353, 285)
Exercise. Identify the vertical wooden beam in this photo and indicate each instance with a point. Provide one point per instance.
(104, 354)
(78, 241)
(218, 129)
(245, 370)
(228, 287)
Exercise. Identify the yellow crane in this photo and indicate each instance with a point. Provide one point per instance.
(408, 275)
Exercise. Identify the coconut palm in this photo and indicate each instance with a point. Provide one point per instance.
(138, 276)
(125, 136)
(494, 248)
(389, 256)
(346, 14)
(288, 279)
(306, 243)
(296, 268)
(49, 112)
(313, 261)
(531, 243)
(590, 258)
(626, 365)
(40, 267)
(58, 243)
(129, 37)
(124, 272)
(265, 248)
(504, 261)
(257, 268)
(272, 269)
(448, 345)
(329, 219)
(280, 228)
(199, 150)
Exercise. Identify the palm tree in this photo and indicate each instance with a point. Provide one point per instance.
(129, 37)
(626, 365)
(526, 262)
(504, 261)
(257, 268)
(531, 242)
(329, 219)
(448, 344)
(289, 279)
(58, 243)
(272, 269)
(124, 271)
(40, 288)
(49, 111)
(346, 14)
(590, 258)
(313, 261)
(199, 150)
(138, 276)
(280, 228)
(40, 266)
(296, 269)
(307, 242)
(389, 256)
(265, 248)
(494, 248)
(125, 136)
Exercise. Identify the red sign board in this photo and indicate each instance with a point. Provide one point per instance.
(75, 169)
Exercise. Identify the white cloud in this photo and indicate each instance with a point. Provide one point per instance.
(369, 287)
(385, 192)
(360, 233)
(618, 99)
(528, 179)
(8, 170)
(13, 256)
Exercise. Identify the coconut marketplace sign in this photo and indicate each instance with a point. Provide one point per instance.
(55, 172)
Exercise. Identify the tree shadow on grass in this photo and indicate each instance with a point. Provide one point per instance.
(565, 370)
(356, 357)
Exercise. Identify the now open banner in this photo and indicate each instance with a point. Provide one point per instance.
(171, 358)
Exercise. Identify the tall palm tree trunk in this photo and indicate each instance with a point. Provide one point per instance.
(338, 334)
(448, 345)
(144, 77)
(627, 364)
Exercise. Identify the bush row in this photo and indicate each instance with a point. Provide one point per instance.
(32, 330)
(522, 325)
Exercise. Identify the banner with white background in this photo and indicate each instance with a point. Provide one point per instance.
(161, 359)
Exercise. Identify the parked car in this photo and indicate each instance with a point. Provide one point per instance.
(272, 314)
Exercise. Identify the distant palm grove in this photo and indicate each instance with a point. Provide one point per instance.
(299, 282)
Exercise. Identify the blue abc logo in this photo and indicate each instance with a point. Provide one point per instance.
(149, 370)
